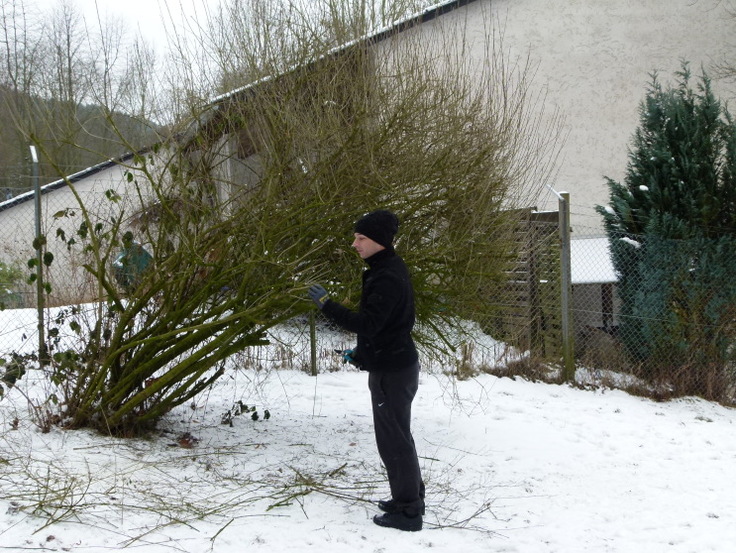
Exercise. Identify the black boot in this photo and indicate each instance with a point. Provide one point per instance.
(390, 506)
(400, 521)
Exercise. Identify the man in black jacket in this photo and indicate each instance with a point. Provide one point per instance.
(383, 324)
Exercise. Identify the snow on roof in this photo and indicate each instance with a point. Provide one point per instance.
(65, 181)
(590, 261)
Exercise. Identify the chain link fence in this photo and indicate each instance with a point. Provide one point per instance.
(652, 316)
(660, 311)
(63, 279)
(18, 314)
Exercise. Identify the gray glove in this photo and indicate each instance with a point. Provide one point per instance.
(318, 295)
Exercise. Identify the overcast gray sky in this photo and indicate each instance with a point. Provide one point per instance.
(149, 17)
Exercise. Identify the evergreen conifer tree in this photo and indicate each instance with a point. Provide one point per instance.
(672, 229)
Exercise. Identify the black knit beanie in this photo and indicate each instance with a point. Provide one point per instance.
(380, 226)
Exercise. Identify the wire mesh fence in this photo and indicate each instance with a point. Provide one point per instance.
(18, 313)
(29, 257)
(661, 311)
(651, 315)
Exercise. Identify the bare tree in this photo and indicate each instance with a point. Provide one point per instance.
(19, 77)
(66, 83)
(62, 79)
(725, 68)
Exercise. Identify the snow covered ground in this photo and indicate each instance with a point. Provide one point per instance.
(510, 466)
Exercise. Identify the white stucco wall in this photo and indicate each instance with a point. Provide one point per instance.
(593, 60)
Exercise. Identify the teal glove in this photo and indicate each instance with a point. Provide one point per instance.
(348, 356)
(318, 295)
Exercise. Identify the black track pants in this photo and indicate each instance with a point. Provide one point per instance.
(391, 394)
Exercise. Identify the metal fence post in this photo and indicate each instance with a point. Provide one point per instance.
(313, 343)
(38, 243)
(568, 348)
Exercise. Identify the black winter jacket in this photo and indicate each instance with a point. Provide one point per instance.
(386, 316)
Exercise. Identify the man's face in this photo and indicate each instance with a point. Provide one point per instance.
(365, 246)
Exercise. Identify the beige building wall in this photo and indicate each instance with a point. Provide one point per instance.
(591, 60)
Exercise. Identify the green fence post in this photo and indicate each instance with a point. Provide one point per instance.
(38, 243)
(313, 343)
